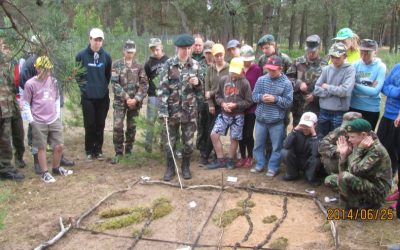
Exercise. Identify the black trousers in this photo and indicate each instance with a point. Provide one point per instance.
(247, 141)
(94, 119)
(371, 117)
(294, 164)
(389, 136)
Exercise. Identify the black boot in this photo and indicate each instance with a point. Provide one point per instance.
(186, 168)
(65, 162)
(19, 161)
(170, 172)
(36, 165)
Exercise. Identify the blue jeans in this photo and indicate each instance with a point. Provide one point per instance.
(328, 121)
(151, 115)
(276, 132)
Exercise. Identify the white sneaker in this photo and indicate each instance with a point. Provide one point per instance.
(271, 173)
(62, 171)
(48, 178)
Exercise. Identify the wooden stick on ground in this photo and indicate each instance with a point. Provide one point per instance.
(334, 230)
(63, 231)
(90, 210)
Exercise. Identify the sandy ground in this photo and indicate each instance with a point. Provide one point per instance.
(33, 207)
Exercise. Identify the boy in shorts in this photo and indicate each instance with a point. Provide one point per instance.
(42, 109)
(234, 97)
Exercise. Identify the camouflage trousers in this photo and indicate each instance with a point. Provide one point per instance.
(356, 191)
(331, 165)
(187, 135)
(5, 146)
(118, 128)
(17, 128)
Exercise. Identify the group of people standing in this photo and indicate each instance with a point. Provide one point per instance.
(198, 90)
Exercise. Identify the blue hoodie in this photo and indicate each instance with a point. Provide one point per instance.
(369, 82)
(391, 89)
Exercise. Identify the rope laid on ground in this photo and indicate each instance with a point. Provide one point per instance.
(172, 152)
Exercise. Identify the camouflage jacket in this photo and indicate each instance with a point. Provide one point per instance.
(303, 70)
(372, 164)
(178, 98)
(128, 82)
(8, 103)
(286, 61)
(202, 72)
(327, 146)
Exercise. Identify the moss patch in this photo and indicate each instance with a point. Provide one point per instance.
(250, 204)
(227, 217)
(269, 219)
(279, 243)
(123, 217)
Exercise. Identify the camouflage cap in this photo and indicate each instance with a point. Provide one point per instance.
(313, 42)
(358, 125)
(184, 40)
(130, 46)
(154, 42)
(268, 38)
(208, 46)
(349, 116)
(247, 53)
(368, 44)
(338, 49)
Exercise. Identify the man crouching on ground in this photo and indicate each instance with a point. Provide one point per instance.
(365, 172)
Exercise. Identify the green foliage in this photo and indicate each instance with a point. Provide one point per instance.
(250, 204)
(161, 207)
(113, 212)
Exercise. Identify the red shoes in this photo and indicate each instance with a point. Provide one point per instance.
(244, 163)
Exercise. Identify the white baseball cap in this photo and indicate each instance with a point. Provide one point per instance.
(308, 119)
(96, 33)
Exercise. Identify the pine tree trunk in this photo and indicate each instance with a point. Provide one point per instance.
(267, 17)
(292, 25)
(277, 23)
(392, 31)
(249, 24)
(302, 37)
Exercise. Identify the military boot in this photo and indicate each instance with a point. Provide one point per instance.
(170, 172)
(186, 168)
(19, 161)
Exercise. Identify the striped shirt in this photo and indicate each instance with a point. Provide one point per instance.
(281, 88)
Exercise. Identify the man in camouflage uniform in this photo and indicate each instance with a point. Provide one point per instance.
(269, 48)
(8, 108)
(365, 173)
(130, 87)
(327, 146)
(204, 118)
(303, 73)
(179, 91)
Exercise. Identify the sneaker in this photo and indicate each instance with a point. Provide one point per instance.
(219, 163)
(89, 157)
(255, 170)
(240, 163)
(248, 163)
(100, 157)
(116, 159)
(271, 173)
(230, 164)
(48, 178)
(62, 171)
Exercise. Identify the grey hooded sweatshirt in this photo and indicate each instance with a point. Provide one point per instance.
(341, 83)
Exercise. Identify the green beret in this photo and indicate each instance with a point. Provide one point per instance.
(358, 125)
(184, 40)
